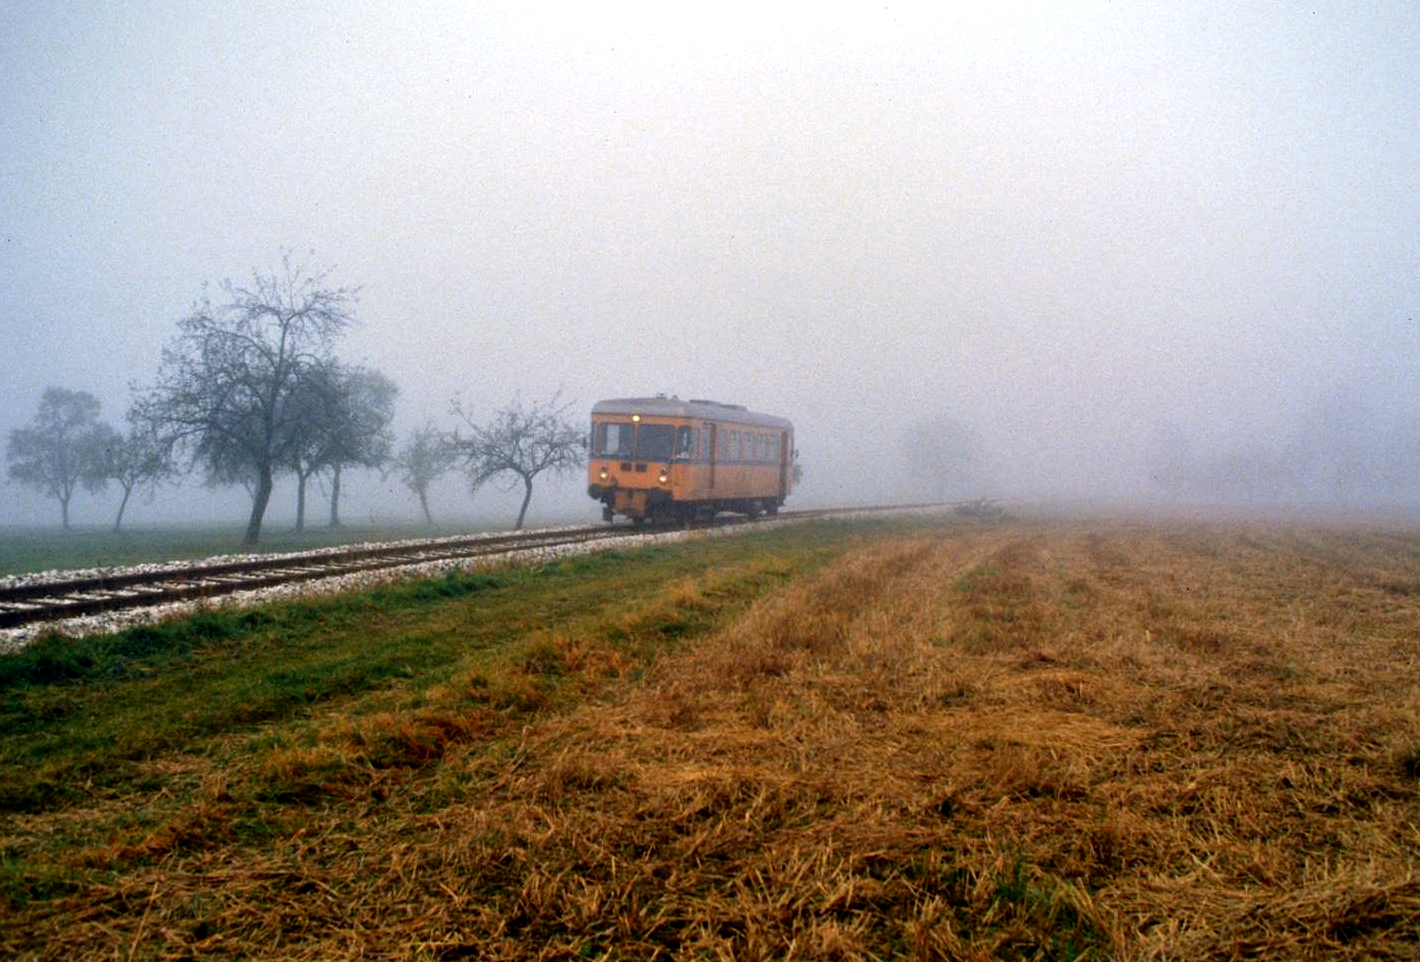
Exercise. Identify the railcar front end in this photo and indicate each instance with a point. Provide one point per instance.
(663, 459)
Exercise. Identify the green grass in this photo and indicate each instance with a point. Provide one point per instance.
(83, 715)
(23, 550)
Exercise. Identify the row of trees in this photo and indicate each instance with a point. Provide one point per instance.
(1335, 449)
(250, 389)
(520, 442)
(66, 446)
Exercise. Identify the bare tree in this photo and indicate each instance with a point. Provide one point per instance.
(422, 459)
(345, 419)
(521, 442)
(360, 434)
(139, 459)
(225, 466)
(1337, 446)
(60, 449)
(947, 456)
(1172, 457)
(228, 387)
(316, 397)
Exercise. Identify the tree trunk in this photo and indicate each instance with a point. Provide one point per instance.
(118, 522)
(335, 496)
(64, 509)
(527, 496)
(300, 501)
(258, 506)
(424, 503)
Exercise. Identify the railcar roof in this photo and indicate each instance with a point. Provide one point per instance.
(703, 410)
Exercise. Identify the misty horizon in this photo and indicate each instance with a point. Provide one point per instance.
(1158, 255)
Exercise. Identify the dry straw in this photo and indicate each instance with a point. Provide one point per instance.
(1046, 741)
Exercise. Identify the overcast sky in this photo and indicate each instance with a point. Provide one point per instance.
(1061, 224)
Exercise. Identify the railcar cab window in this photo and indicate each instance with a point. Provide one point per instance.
(684, 442)
(654, 442)
(613, 439)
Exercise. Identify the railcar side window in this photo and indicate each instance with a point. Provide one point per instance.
(654, 442)
(613, 439)
(705, 442)
(684, 443)
(774, 449)
(735, 446)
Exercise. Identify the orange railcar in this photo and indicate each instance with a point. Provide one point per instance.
(664, 459)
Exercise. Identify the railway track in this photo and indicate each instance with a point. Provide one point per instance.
(36, 602)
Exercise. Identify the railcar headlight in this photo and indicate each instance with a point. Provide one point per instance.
(664, 476)
(602, 473)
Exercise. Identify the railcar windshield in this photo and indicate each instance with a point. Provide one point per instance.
(654, 442)
(613, 439)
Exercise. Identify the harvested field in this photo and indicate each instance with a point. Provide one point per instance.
(935, 741)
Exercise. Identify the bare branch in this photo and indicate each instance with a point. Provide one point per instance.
(521, 442)
(229, 392)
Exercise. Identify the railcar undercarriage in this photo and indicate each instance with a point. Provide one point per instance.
(652, 506)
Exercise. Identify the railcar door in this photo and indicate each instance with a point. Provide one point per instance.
(713, 447)
(783, 465)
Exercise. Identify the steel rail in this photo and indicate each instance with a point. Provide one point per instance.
(33, 602)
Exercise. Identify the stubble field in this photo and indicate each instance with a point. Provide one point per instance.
(932, 739)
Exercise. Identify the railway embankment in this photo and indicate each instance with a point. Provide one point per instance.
(109, 599)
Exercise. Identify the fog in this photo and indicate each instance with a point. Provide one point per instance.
(1150, 252)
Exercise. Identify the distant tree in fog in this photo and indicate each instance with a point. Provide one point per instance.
(1171, 460)
(360, 434)
(519, 443)
(138, 459)
(345, 417)
(945, 456)
(228, 391)
(423, 458)
(1400, 457)
(61, 448)
(1249, 471)
(314, 397)
(1339, 445)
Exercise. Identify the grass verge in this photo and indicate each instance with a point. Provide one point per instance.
(24, 550)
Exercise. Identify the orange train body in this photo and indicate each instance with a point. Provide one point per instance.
(664, 459)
